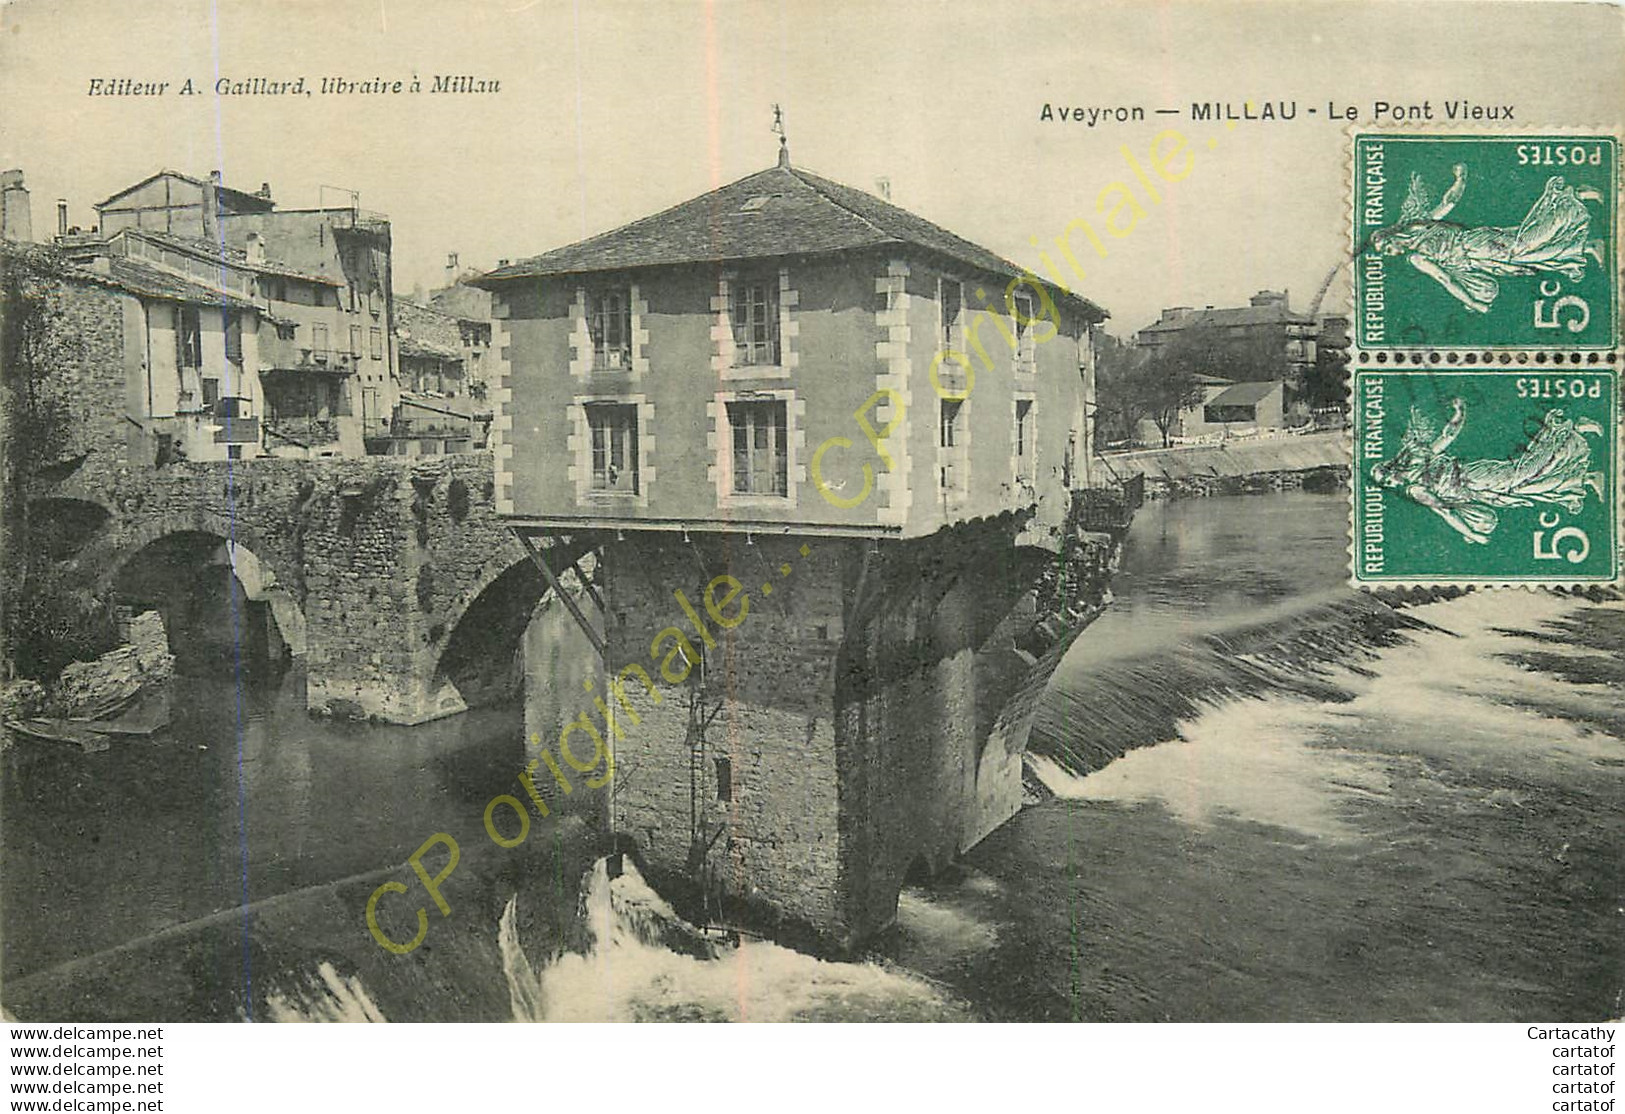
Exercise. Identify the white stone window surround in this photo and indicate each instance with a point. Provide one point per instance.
(1029, 476)
(722, 336)
(582, 356)
(501, 397)
(719, 439)
(958, 455)
(895, 375)
(579, 446)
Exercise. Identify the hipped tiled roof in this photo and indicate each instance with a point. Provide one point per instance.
(1244, 394)
(1234, 316)
(781, 211)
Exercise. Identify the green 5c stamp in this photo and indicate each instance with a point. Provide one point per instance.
(1485, 242)
(1486, 477)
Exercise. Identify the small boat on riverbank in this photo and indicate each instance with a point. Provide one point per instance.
(125, 692)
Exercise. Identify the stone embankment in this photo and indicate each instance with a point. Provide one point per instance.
(123, 692)
(1237, 467)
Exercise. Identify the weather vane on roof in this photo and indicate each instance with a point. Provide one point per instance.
(784, 142)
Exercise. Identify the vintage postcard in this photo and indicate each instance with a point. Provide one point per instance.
(715, 510)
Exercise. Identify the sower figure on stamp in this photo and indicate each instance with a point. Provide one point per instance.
(1554, 236)
(1555, 467)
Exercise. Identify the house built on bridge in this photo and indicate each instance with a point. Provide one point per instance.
(826, 450)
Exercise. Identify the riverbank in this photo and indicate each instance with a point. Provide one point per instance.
(1315, 462)
(1271, 799)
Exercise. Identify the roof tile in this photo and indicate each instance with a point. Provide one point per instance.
(781, 211)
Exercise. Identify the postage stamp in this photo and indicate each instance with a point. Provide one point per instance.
(1486, 242)
(1486, 477)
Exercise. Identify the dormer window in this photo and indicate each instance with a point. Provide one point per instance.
(754, 305)
(609, 322)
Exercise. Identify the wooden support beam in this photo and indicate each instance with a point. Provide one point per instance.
(537, 556)
(588, 585)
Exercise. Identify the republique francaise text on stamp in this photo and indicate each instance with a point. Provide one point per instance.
(1486, 241)
(1486, 477)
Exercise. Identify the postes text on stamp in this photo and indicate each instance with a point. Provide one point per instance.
(1486, 477)
(1486, 242)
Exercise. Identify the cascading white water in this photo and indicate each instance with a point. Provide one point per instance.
(333, 998)
(627, 975)
(1280, 759)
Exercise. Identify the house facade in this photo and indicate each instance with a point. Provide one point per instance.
(1227, 409)
(755, 325)
(327, 296)
(1262, 340)
(180, 204)
(850, 415)
(439, 402)
(159, 352)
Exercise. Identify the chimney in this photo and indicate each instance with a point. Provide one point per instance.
(264, 191)
(883, 188)
(1175, 313)
(211, 207)
(452, 267)
(16, 217)
(61, 216)
(255, 248)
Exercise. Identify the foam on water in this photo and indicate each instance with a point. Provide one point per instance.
(1278, 758)
(628, 976)
(1249, 759)
(327, 997)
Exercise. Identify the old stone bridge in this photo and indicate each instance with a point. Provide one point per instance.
(390, 577)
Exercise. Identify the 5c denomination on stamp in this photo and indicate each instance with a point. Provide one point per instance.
(1486, 242)
(1486, 477)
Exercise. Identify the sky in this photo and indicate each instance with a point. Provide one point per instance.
(610, 111)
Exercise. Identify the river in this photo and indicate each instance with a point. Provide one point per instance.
(1263, 797)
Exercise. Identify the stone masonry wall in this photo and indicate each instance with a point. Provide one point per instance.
(380, 556)
(86, 339)
(919, 689)
(854, 702)
(768, 683)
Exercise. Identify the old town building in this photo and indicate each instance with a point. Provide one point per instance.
(850, 437)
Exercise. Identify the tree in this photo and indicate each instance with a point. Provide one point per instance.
(1326, 385)
(1118, 407)
(1168, 385)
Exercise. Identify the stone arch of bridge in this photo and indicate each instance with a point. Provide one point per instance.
(484, 627)
(265, 575)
